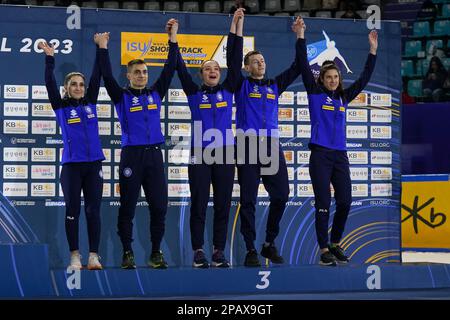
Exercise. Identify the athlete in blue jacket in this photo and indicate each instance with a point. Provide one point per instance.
(328, 102)
(257, 129)
(76, 114)
(141, 162)
(211, 108)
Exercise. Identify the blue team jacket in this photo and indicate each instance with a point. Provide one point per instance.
(77, 118)
(139, 109)
(212, 106)
(257, 100)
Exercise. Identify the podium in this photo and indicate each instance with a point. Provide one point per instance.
(26, 274)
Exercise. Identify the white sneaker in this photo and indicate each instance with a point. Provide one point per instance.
(75, 261)
(94, 262)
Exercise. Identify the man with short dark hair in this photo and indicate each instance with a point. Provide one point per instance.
(141, 161)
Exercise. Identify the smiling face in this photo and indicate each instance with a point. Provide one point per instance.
(74, 86)
(330, 79)
(210, 73)
(256, 66)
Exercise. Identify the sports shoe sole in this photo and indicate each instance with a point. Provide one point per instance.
(94, 267)
(328, 264)
(201, 265)
(76, 268)
(158, 266)
(220, 264)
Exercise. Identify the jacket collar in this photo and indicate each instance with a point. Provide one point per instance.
(207, 89)
(332, 94)
(260, 82)
(138, 92)
(74, 102)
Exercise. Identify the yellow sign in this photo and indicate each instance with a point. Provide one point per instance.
(153, 48)
(425, 214)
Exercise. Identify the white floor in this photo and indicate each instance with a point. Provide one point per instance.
(431, 257)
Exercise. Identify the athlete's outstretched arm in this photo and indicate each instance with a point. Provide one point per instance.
(50, 81)
(357, 86)
(300, 64)
(94, 82)
(162, 84)
(235, 45)
(187, 83)
(113, 88)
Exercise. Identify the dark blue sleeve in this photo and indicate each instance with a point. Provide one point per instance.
(113, 88)
(162, 84)
(357, 86)
(305, 69)
(189, 86)
(288, 76)
(94, 82)
(50, 83)
(235, 46)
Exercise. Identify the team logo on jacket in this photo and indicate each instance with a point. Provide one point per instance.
(270, 94)
(321, 51)
(152, 105)
(219, 96)
(329, 100)
(135, 101)
(89, 113)
(74, 118)
(127, 172)
(255, 93)
(204, 104)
